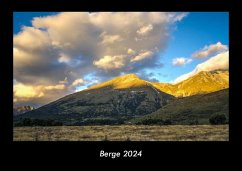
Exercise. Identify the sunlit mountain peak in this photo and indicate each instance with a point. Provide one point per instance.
(123, 81)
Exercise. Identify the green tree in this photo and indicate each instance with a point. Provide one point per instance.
(217, 119)
(167, 122)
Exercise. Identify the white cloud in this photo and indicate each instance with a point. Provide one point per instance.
(64, 58)
(220, 61)
(56, 87)
(40, 94)
(31, 39)
(109, 39)
(78, 82)
(145, 30)
(65, 81)
(27, 91)
(212, 49)
(181, 61)
(142, 56)
(131, 51)
(110, 62)
(174, 17)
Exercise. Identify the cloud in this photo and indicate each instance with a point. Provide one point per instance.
(27, 94)
(56, 87)
(148, 76)
(109, 39)
(131, 51)
(64, 58)
(220, 61)
(59, 49)
(110, 62)
(212, 49)
(26, 91)
(65, 81)
(145, 30)
(91, 83)
(142, 56)
(179, 17)
(34, 38)
(78, 82)
(181, 61)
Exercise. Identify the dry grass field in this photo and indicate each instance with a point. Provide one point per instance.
(123, 133)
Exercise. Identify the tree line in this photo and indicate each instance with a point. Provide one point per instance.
(38, 122)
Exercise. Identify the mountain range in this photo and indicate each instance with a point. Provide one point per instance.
(201, 83)
(127, 97)
(21, 109)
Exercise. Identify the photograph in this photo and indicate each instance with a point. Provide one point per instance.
(120, 76)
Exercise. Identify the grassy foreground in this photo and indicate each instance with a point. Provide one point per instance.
(123, 133)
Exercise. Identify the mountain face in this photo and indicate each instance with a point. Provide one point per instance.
(195, 109)
(123, 82)
(127, 97)
(201, 83)
(21, 110)
(123, 97)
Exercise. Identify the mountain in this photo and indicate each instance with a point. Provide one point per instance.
(201, 83)
(22, 109)
(120, 98)
(192, 109)
(123, 82)
(127, 97)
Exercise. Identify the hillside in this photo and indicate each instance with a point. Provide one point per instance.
(126, 97)
(195, 109)
(121, 98)
(201, 83)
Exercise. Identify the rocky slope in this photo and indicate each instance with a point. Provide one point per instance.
(201, 83)
(21, 110)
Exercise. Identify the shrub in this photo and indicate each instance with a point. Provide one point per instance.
(193, 122)
(167, 122)
(217, 119)
(99, 121)
(150, 121)
(38, 122)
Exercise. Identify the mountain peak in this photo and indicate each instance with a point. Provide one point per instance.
(22, 109)
(201, 83)
(131, 75)
(122, 82)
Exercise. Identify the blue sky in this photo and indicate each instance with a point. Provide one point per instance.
(21, 19)
(193, 33)
(62, 55)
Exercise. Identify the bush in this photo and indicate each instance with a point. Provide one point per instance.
(167, 122)
(38, 122)
(218, 119)
(193, 122)
(150, 121)
(99, 121)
